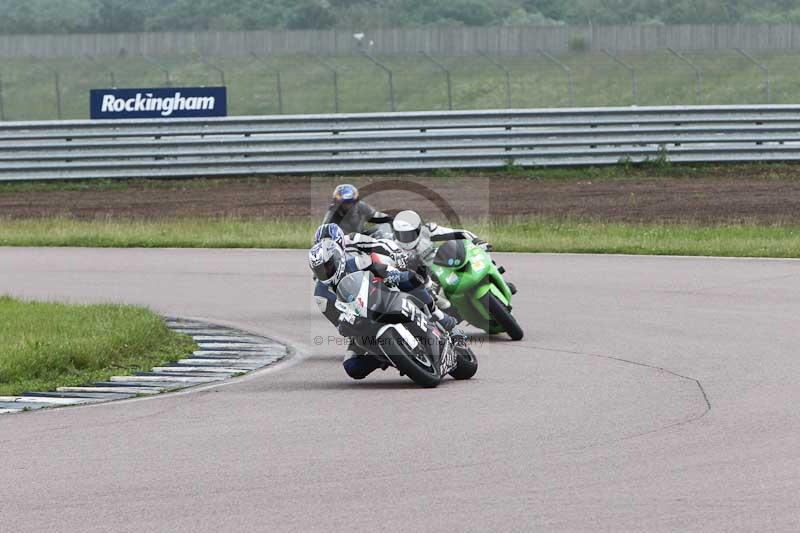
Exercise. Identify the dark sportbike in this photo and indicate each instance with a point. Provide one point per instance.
(398, 329)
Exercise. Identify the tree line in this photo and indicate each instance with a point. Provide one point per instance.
(103, 16)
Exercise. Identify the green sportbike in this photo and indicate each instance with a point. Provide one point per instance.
(475, 287)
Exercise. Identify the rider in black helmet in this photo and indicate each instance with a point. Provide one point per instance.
(350, 213)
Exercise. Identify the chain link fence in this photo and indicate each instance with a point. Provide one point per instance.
(299, 84)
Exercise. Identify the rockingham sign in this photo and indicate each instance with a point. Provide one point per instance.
(170, 102)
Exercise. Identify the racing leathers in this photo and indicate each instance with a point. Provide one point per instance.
(420, 255)
(387, 251)
(352, 218)
(325, 295)
(425, 249)
(356, 363)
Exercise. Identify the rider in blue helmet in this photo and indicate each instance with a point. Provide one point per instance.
(327, 260)
(332, 232)
(350, 213)
(386, 249)
(331, 262)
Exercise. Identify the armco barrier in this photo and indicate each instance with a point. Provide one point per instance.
(395, 142)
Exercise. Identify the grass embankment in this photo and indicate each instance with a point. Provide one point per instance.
(307, 86)
(519, 235)
(48, 345)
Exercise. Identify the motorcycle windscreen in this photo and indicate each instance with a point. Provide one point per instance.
(452, 254)
(348, 289)
(383, 305)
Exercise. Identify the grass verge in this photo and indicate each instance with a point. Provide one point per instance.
(49, 345)
(726, 240)
(517, 235)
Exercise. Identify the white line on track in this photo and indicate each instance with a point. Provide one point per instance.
(41, 399)
(176, 379)
(121, 390)
(210, 369)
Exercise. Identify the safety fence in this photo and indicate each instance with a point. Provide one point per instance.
(365, 83)
(397, 142)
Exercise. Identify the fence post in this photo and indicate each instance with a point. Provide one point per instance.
(335, 73)
(631, 71)
(389, 75)
(216, 68)
(763, 68)
(110, 72)
(567, 71)
(57, 87)
(2, 105)
(505, 71)
(697, 70)
(159, 66)
(277, 80)
(446, 71)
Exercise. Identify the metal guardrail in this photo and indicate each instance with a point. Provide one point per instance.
(396, 142)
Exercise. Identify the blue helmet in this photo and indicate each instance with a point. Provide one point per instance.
(327, 261)
(330, 231)
(345, 194)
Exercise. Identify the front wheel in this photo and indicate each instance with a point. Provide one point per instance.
(466, 363)
(500, 313)
(417, 366)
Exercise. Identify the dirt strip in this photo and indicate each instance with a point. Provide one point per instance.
(758, 197)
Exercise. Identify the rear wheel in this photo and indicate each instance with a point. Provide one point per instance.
(500, 313)
(417, 366)
(467, 363)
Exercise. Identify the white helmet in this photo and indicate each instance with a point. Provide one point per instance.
(407, 226)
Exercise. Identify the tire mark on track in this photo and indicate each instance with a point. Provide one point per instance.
(685, 422)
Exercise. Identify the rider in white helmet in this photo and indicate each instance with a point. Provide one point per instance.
(418, 237)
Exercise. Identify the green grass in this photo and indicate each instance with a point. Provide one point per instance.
(29, 85)
(48, 345)
(728, 240)
(178, 233)
(518, 235)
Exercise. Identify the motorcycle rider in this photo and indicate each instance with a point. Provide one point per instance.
(386, 249)
(414, 236)
(330, 263)
(384, 259)
(417, 238)
(350, 213)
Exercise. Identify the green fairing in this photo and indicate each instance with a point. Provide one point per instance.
(470, 284)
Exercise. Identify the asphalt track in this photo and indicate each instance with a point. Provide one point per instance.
(650, 394)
